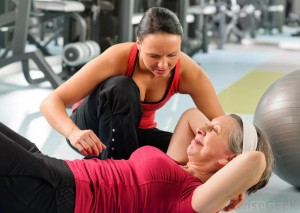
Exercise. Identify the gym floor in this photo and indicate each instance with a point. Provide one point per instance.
(240, 74)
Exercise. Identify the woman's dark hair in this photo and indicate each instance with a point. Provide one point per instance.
(159, 20)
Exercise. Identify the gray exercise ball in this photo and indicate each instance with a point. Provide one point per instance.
(278, 115)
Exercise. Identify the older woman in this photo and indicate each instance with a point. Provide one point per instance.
(226, 157)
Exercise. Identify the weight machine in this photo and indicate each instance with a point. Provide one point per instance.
(77, 50)
(15, 49)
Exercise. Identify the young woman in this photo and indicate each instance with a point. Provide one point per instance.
(124, 87)
(226, 157)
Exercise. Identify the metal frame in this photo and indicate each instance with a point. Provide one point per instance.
(20, 16)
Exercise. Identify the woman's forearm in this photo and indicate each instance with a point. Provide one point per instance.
(54, 110)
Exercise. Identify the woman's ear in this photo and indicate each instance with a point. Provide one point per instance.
(230, 157)
(138, 43)
(223, 162)
(226, 160)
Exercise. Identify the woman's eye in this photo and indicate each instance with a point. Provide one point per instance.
(215, 130)
(154, 56)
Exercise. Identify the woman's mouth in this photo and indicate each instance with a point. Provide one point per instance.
(161, 72)
(197, 141)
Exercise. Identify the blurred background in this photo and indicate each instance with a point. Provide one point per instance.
(244, 46)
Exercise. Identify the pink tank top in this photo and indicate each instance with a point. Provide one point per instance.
(149, 109)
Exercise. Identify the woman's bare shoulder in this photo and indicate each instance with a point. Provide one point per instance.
(116, 56)
(189, 68)
(186, 62)
(120, 48)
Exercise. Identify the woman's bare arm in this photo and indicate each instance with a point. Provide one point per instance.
(232, 180)
(110, 63)
(196, 83)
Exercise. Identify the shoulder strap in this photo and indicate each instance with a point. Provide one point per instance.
(131, 61)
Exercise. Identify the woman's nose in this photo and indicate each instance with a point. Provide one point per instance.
(163, 63)
(200, 131)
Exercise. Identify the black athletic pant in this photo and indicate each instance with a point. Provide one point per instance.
(113, 111)
(31, 182)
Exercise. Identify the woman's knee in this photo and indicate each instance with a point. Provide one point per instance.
(118, 94)
(121, 86)
(120, 82)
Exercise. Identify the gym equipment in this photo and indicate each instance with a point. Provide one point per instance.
(15, 49)
(102, 22)
(242, 19)
(194, 17)
(72, 29)
(201, 13)
(78, 53)
(65, 18)
(125, 10)
(278, 115)
(273, 14)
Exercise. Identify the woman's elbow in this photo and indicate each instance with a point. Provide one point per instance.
(258, 158)
(43, 104)
(50, 102)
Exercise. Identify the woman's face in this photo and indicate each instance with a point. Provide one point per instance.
(159, 52)
(211, 142)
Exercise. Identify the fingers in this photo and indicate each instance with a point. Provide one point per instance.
(87, 143)
(81, 149)
(236, 202)
(233, 205)
(97, 146)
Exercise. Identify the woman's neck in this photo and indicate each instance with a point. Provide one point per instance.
(198, 171)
